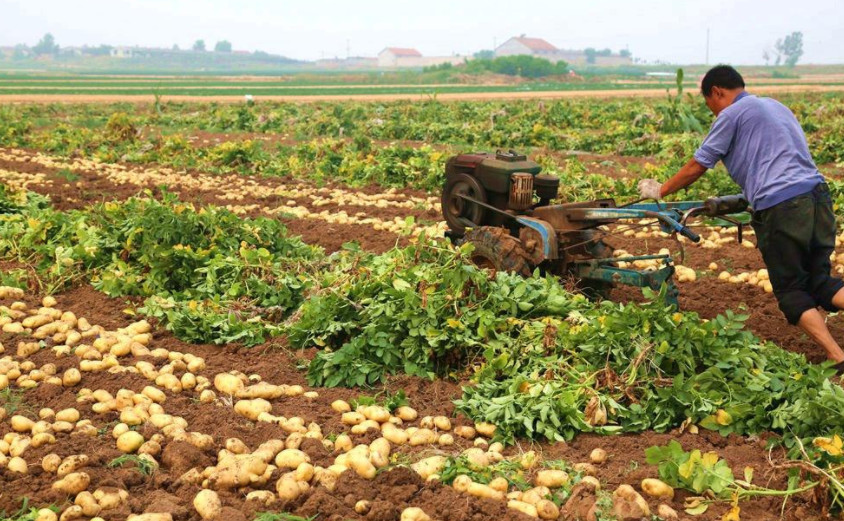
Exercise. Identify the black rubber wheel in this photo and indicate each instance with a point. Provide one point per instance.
(455, 208)
(496, 249)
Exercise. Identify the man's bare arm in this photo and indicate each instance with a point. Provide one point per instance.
(687, 175)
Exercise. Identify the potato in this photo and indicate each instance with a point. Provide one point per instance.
(524, 508)
(551, 478)
(352, 418)
(21, 423)
(362, 507)
(288, 488)
(442, 423)
(304, 472)
(90, 506)
(461, 483)
(414, 514)
(376, 413)
(484, 491)
(485, 429)
(361, 464)
(429, 466)
(264, 497)
(393, 434)
(150, 517)
(41, 439)
(73, 483)
(68, 415)
(252, 408)
(207, 396)
(71, 377)
(657, 489)
(406, 413)
(547, 509)
(74, 512)
(236, 446)
(500, 484)
(464, 431)
(72, 464)
(228, 384)
(535, 495)
(598, 456)
(382, 446)
(17, 465)
(445, 440)
(341, 406)
(45, 514)
(423, 437)
(50, 463)
(476, 458)
(207, 503)
(129, 442)
(343, 443)
(667, 513)
(291, 458)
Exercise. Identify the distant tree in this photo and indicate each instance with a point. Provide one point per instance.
(223, 46)
(605, 52)
(485, 54)
(176, 47)
(46, 45)
(21, 52)
(522, 65)
(591, 54)
(199, 46)
(625, 53)
(766, 55)
(791, 48)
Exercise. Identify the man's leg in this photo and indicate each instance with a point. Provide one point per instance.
(812, 322)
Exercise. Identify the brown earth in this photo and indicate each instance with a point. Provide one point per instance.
(392, 491)
(389, 493)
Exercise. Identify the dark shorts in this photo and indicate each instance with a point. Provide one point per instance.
(796, 238)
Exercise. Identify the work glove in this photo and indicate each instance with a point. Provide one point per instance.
(650, 188)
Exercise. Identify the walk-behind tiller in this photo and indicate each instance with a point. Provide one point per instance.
(501, 203)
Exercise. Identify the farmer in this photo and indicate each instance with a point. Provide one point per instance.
(764, 149)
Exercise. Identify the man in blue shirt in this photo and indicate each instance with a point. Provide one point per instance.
(765, 151)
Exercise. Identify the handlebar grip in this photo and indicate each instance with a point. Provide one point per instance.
(689, 234)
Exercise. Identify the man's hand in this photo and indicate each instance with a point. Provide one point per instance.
(650, 189)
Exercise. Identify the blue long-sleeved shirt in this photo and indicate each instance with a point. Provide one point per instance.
(764, 149)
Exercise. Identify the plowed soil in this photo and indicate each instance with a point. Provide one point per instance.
(391, 491)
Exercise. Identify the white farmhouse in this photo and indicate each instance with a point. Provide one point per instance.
(519, 45)
(393, 57)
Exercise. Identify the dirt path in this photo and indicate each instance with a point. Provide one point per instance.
(443, 96)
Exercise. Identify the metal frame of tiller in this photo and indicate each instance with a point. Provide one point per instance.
(672, 218)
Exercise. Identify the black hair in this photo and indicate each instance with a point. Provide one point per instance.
(722, 76)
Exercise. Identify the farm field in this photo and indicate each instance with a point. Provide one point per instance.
(59, 87)
(183, 310)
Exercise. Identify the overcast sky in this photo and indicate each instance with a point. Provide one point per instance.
(668, 30)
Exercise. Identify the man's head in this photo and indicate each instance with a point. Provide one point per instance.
(720, 87)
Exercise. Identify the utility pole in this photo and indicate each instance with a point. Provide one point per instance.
(348, 49)
(707, 46)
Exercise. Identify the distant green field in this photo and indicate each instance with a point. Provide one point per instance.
(312, 84)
